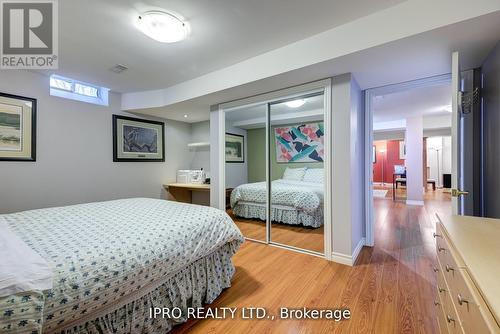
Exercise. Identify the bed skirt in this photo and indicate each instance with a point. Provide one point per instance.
(198, 284)
(286, 216)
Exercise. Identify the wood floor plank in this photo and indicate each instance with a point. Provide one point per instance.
(365, 307)
(391, 288)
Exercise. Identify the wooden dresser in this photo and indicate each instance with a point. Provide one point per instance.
(468, 274)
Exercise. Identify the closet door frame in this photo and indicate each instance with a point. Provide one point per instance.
(290, 93)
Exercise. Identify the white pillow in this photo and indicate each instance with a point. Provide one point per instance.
(316, 175)
(21, 268)
(294, 174)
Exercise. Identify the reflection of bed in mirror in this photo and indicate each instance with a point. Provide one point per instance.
(297, 198)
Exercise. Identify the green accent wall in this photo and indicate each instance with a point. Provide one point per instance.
(256, 154)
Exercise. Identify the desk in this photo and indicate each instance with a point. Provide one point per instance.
(183, 192)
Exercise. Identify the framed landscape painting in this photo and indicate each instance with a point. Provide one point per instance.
(300, 143)
(136, 139)
(17, 128)
(235, 148)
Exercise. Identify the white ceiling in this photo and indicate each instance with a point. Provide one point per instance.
(255, 116)
(422, 101)
(94, 35)
(423, 55)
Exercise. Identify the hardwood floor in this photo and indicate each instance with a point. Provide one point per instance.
(296, 236)
(391, 289)
(301, 237)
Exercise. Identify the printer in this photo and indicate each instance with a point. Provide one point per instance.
(196, 176)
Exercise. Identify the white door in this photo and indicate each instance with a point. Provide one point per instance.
(458, 155)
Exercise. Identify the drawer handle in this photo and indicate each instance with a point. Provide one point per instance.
(441, 289)
(440, 249)
(449, 318)
(436, 235)
(435, 269)
(436, 303)
(449, 268)
(462, 300)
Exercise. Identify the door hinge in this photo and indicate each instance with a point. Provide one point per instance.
(466, 100)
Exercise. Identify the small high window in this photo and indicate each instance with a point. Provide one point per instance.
(77, 90)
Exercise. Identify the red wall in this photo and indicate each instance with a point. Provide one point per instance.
(390, 158)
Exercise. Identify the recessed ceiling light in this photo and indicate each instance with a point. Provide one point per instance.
(185, 116)
(163, 26)
(295, 103)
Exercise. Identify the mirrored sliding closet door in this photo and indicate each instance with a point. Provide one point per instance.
(245, 169)
(297, 181)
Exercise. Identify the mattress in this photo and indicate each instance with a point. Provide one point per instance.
(112, 259)
(293, 202)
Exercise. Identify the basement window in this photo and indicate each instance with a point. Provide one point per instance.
(76, 90)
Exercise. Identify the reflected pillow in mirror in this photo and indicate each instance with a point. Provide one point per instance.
(296, 174)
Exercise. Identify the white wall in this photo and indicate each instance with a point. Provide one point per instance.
(215, 119)
(348, 203)
(414, 161)
(200, 156)
(358, 227)
(438, 158)
(435, 159)
(447, 155)
(437, 122)
(75, 155)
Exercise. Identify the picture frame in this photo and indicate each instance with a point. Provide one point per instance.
(17, 128)
(235, 148)
(138, 140)
(402, 150)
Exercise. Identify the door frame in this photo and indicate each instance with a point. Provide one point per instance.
(369, 95)
(323, 86)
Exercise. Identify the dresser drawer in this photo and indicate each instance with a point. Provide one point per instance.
(461, 294)
(450, 317)
(443, 326)
(471, 309)
(443, 249)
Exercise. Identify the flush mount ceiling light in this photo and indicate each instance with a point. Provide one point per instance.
(295, 103)
(163, 26)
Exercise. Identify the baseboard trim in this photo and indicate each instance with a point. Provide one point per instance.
(348, 260)
(357, 250)
(342, 258)
(411, 202)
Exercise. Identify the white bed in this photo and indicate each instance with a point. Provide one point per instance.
(113, 261)
(297, 199)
